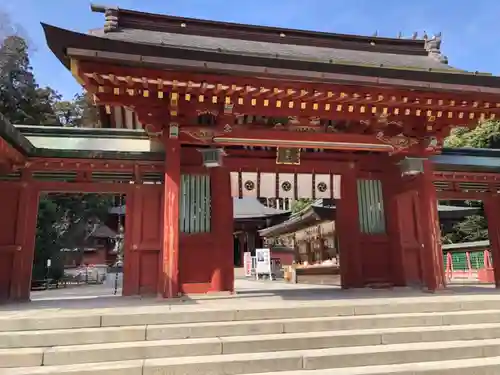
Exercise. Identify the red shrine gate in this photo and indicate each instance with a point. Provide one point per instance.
(206, 224)
(277, 101)
(370, 260)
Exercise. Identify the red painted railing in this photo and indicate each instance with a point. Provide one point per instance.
(469, 272)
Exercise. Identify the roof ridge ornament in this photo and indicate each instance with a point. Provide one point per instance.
(111, 20)
(110, 16)
(433, 47)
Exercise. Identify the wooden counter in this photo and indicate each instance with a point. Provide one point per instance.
(321, 275)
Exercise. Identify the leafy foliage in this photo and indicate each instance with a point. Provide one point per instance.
(485, 135)
(299, 204)
(78, 112)
(472, 228)
(64, 222)
(21, 100)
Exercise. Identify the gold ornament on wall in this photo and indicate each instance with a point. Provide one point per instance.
(288, 155)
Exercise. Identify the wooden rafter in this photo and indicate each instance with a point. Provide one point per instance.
(431, 120)
(64, 164)
(409, 120)
(270, 108)
(341, 102)
(388, 96)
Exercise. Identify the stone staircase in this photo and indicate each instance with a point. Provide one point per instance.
(321, 338)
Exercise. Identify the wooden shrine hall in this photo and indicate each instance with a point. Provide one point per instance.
(210, 110)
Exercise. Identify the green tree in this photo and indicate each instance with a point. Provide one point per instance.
(472, 228)
(78, 112)
(46, 237)
(21, 99)
(485, 135)
(300, 204)
(64, 222)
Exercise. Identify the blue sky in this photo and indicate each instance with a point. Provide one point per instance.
(471, 29)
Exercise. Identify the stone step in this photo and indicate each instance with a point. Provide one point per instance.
(321, 359)
(475, 366)
(77, 336)
(105, 368)
(100, 335)
(235, 345)
(337, 361)
(169, 315)
(302, 311)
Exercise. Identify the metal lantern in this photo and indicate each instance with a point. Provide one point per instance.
(412, 166)
(212, 157)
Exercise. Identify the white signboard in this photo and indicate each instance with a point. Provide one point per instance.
(263, 257)
(247, 263)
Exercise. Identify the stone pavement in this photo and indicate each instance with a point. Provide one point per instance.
(249, 294)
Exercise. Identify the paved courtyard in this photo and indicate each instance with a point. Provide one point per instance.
(242, 286)
(95, 299)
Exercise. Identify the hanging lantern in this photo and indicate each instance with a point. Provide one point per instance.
(412, 166)
(212, 157)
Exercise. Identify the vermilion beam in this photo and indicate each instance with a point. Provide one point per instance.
(347, 111)
(387, 92)
(9, 153)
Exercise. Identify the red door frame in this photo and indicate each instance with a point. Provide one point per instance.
(25, 228)
(347, 206)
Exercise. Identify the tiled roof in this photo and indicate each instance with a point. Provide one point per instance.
(244, 208)
(310, 214)
(102, 231)
(280, 51)
(446, 208)
(164, 41)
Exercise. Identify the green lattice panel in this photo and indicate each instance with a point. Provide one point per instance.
(460, 260)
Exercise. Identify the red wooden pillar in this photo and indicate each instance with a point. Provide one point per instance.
(492, 210)
(25, 235)
(431, 254)
(131, 256)
(347, 222)
(25, 231)
(19, 202)
(222, 231)
(169, 254)
(391, 190)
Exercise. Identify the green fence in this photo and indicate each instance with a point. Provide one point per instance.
(459, 259)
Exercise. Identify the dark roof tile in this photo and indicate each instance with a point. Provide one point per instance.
(280, 51)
